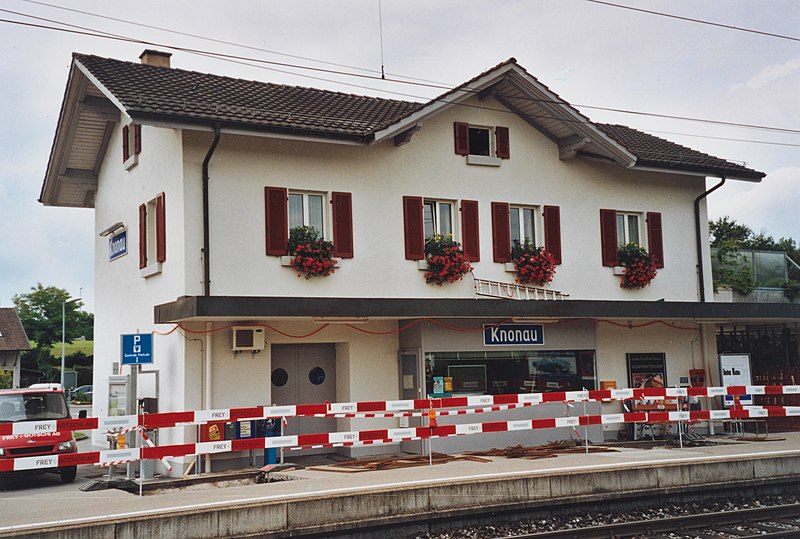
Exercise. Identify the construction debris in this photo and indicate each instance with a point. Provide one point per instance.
(549, 450)
(392, 463)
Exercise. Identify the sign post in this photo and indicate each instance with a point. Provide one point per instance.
(136, 350)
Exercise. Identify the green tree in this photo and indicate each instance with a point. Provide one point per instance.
(40, 313)
(727, 231)
(6, 379)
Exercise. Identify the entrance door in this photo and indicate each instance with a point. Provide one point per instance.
(411, 387)
(304, 374)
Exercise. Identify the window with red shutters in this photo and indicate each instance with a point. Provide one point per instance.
(413, 227)
(126, 145)
(137, 139)
(142, 236)
(501, 233)
(277, 220)
(161, 228)
(502, 143)
(342, 224)
(608, 237)
(655, 239)
(552, 232)
(461, 132)
(469, 230)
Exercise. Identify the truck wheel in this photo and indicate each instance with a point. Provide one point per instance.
(68, 474)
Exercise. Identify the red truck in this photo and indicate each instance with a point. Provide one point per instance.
(37, 404)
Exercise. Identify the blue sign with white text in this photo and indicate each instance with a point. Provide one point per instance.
(137, 349)
(118, 245)
(513, 334)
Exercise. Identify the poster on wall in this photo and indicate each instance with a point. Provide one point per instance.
(735, 369)
(647, 370)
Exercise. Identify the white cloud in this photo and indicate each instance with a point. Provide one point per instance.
(770, 74)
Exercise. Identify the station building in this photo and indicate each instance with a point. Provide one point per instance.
(197, 180)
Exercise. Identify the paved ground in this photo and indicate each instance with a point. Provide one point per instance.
(43, 499)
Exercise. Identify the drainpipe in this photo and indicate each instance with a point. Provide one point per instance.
(700, 265)
(206, 240)
(207, 283)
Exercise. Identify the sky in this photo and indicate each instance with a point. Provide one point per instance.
(593, 55)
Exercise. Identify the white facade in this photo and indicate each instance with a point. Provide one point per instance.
(197, 367)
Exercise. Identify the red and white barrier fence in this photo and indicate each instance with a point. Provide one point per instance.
(397, 408)
(379, 436)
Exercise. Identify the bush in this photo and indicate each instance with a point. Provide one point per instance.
(791, 289)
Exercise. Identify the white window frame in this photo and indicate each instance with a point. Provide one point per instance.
(306, 209)
(437, 206)
(480, 159)
(626, 238)
(153, 266)
(535, 220)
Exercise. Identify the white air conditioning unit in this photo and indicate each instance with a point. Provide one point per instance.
(247, 338)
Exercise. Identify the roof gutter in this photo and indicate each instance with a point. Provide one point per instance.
(206, 221)
(699, 239)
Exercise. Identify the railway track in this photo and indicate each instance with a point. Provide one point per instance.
(775, 521)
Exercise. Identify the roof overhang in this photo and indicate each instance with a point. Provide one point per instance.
(229, 308)
(83, 132)
(523, 94)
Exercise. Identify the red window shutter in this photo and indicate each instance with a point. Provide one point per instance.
(501, 232)
(142, 236)
(552, 231)
(462, 138)
(469, 229)
(161, 228)
(342, 224)
(277, 220)
(655, 238)
(608, 237)
(414, 230)
(126, 149)
(137, 139)
(502, 142)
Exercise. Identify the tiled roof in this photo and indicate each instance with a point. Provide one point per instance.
(652, 151)
(146, 90)
(164, 93)
(12, 334)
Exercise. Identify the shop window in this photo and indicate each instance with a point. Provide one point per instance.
(511, 372)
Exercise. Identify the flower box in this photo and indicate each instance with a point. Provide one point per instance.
(286, 261)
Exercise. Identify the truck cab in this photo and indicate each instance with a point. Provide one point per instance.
(37, 404)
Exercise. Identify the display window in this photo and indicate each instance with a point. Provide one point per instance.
(508, 372)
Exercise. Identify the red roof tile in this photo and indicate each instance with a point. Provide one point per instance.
(12, 334)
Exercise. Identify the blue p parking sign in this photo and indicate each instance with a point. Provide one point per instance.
(137, 349)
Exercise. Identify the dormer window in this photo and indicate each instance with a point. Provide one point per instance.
(482, 145)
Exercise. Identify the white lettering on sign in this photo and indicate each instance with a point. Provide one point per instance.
(402, 433)
(117, 246)
(480, 400)
(567, 421)
(533, 398)
(336, 437)
(212, 415)
(343, 407)
(400, 405)
(520, 425)
(518, 336)
(38, 428)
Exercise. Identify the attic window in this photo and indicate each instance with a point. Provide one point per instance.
(482, 145)
(131, 145)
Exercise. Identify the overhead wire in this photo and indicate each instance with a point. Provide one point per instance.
(259, 63)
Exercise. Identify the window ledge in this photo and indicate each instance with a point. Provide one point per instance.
(484, 160)
(619, 270)
(286, 260)
(131, 162)
(422, 265)
(150, 270)
(509, 267)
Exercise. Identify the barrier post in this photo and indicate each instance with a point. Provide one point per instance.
(680, 421)
(585, 427)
